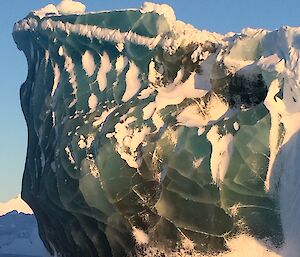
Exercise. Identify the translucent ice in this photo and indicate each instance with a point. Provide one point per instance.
(148, 136)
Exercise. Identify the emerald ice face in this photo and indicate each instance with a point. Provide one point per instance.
(145, 133)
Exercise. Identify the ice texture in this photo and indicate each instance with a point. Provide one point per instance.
(147, 136)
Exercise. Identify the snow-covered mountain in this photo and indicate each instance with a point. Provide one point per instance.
(18, 230)
(16, 204)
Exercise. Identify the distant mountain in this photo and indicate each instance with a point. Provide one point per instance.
(19, 231)
(16, 204)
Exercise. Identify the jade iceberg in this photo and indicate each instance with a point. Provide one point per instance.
(148, 137)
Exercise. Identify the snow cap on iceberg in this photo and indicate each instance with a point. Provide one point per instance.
(70, 7)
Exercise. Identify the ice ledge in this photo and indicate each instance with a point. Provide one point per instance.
(179, 34)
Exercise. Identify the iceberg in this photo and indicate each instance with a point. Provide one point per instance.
(149, 137)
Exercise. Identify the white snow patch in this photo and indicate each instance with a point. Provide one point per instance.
(94, 169)
(81, 142)
(140, 236)
(88, 63)
(281, 68)
(120, 47)
(105, 67)
(60, 51)
(157, 120)
(275, 105)
(56, 79)
(100, 120)
(90, 139)
(133, 83)
(247, 246)
(272, 63)
(202, 80)
(149, 110)
(202, 114)
(93, 102)
(191, 116)
(174, 94)
(287, 165)
(70, 7)
(236, 126)
(49, 9)
(47, 55)
(53, 119)
(283, 173)
(200, 131)
(74, 101)
(221, 153)
(183, 34)
(241, 246)
(187, 244)
(70, 67)
(85, 142)
(69, 153)
(121, 63)
(161, 9)
(26, 25)
(145, 93)
(129, 140)
(153, 74)
(178, 91)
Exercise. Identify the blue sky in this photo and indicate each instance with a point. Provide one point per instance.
(220, 15)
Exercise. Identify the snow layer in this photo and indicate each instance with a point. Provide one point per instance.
(49, 9)
(241, 246)
(70, 7)
(200, 114)
(221, 153)
(161, 9)
(65, 7)
(173, 94)
(281, 69)
(246, 246)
